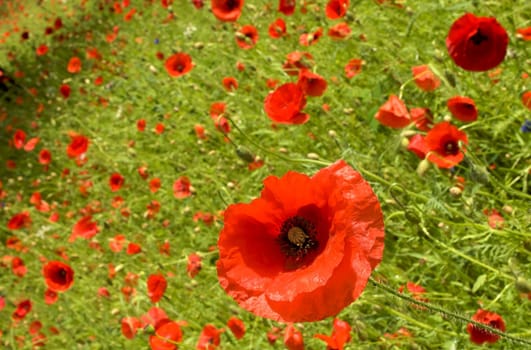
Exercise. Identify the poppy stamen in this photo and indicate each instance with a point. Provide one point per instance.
(451, 148)
(297, 237)
(478, 38)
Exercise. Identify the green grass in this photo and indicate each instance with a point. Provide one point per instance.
(462, 262)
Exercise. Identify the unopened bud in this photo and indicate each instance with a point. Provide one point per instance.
(522, 285)
(423, 166)
(244, 154)
(455, 191)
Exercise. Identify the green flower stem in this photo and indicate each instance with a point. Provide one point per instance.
(448, 314)
(464, 256)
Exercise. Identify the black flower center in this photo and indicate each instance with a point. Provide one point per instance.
(478, 38)
(297, 237)
(451, 147)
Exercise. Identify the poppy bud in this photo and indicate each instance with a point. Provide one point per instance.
(423, 166)
(455, 191)
(245, 154)
(522, 285)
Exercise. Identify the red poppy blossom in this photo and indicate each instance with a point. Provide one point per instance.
(209, 338)
(284, 105)
(227, 10)
(308, 39)
(23, 308)
(230, 83)
(58, 276)
(74, 65)
(277, 29)
(340, 335)
(477, 43)
(154, 184)
(194, 265)
(181, 187)
(156, 286)
(480, 335)
(19, 138)
(19, 220)
(422, 117)
(247, 37)
(116, 244)
(166, 336)
(42, 50)
(311, 84)
(443, 142)
(129, 326)
(393, 113)
(303, 257)
(339, 31)
(524, 33)
(116, 182)
(65, 90)
(336, 8)
(287, 7)
(85, 228)
(236, 326)
(18, 268)
(155, 317)
(526, 99)
(133, 248)
(293, 338)
(178, 64)
(495, 219)
(463, 108)
(297, 60)
(353, 67)
(417, 145)
(424, 78)
(78, 145)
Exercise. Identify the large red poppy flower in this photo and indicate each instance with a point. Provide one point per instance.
(463, 108)
(227, 10)
(178, 64)
(336, 8)
(305, 249)
(393, 113)
(284, 105)
(311, 84)
(443, 142)
(58, 276)
(479, 335)
(477, 43)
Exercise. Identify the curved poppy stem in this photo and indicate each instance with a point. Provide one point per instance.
(448, 314)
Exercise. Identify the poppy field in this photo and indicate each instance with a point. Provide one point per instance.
(268, 174)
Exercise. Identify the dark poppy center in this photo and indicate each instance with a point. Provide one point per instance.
(232, 4)
(451, 148)
(179, 67)
(60, 276)
(478, 38)
(297, 237)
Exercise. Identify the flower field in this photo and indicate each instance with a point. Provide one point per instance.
(268, 174)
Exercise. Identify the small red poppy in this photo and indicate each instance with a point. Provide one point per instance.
(230, 83)
(284, 105)
(19, 138)
(116, 182)
(443, 142)
(178, 64)
(154, 184)
(19, 220)
(78, 145)
(236, 326)
(42, 50)
(340, 335)
(287, 7)
(297, 60)
(277, 29)
(393, 113)
(308, 39)
(353, 67)
(336, 8)
(23, 308)
(293, 338)
(181, 187)
(194, 265)
(247, 37)
(166, 336)
(129, 326)
(50, 296)
(156, 286)
(58, 276)
(74, 65)
(85, 228)
(155, 317)
(424, 78)
(265, 272)
(227, 10)
(65, 90)
(141, 125)
(477, 43)
(524, 33)
(210, 338)
(339, 31)
(526, 99)
(479, 335)
(311, 84)
(133, 248)
(463, 108)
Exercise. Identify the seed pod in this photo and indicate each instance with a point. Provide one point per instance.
(245, 154)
